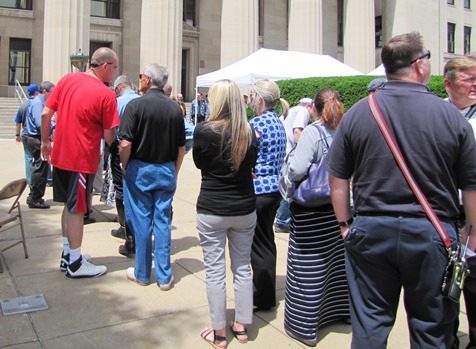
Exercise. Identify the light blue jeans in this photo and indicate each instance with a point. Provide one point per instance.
(148, 191)
(283, 216)
(214, 231)
(28, 159)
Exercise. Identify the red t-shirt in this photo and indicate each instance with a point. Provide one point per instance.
(84, 108)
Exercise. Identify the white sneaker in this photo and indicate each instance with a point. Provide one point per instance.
(64, 262)
(130, 275)
(86, 270)
(168, 286)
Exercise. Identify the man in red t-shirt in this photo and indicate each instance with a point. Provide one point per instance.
(86, 112)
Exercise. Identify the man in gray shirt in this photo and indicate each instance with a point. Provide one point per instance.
(460, 83)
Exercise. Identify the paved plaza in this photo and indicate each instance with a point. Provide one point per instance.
(113, 312)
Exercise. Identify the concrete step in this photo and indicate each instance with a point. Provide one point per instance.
(8, 110)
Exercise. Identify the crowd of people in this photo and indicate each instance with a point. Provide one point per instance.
(348, 259)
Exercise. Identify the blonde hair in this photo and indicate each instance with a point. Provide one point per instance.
(269, 91)
(228, 114)
(329, 107)
(458, 64)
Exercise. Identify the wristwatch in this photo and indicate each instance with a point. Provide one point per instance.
(346, 223)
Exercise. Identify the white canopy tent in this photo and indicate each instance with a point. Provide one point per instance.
(277, 65)
(380, 70)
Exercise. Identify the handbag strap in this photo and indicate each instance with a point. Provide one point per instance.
(322, 134)
(406, 171)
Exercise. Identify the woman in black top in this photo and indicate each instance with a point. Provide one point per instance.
(224, 149)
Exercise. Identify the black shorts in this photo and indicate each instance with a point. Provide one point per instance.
(73, 188)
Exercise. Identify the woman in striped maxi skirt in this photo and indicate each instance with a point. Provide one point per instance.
(316, 283)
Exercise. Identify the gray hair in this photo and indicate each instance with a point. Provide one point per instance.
(158, 74)
(46, 85)
(168, 89)
(122, 80)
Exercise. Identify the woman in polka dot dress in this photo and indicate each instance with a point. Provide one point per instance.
(271, 136)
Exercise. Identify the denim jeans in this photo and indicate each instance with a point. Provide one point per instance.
(385, 254)
(148, 191)
(28, 159)
(283, 216)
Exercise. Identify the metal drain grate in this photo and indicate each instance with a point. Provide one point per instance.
(23, 304)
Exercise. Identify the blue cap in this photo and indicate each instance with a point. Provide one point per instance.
(33, 88)
(375, 84)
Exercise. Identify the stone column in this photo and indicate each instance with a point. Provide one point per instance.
(239, 30)
(66, 30)
(400, 17)
(359, 35)
(161, 37)
(305, 26)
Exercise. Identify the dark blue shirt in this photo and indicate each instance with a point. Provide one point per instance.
(437, 143)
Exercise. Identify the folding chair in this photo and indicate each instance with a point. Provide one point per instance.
(12, 189)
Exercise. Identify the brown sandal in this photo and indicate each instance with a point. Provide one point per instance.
(217, 340)
(243, 333)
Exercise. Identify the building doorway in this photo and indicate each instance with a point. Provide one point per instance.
(185, 76)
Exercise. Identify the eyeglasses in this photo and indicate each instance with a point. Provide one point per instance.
(428, 54)
(143, 75)
(95, 65)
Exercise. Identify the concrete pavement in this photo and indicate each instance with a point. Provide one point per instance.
(113, 312)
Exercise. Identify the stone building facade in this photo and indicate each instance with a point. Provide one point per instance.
(193, 37)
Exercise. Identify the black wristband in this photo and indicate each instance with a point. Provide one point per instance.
(346, 223)
(17, 135)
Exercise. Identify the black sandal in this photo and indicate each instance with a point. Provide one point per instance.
(216, 339)
(239, 333)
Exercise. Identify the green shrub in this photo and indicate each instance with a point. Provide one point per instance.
(350, 88)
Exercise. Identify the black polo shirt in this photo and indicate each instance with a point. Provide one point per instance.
(436, 141)
(155, 127)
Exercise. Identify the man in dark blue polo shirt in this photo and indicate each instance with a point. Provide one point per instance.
(152, 148)
(392, 244)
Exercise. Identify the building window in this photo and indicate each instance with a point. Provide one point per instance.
(451, 37)
(340, 23)
(467, 40)
(105, 8)
(94, 45)
(189, 12)
(378, 32)
(450, 2)
(467, 4)
(20, 4)
(19, 62)
(261, 18)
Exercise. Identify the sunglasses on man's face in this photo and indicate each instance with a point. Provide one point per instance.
(427, 54)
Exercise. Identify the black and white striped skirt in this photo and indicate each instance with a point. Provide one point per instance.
(316, 283)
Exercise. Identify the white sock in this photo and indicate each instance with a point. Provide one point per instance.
(74, 254)
(65, 246)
